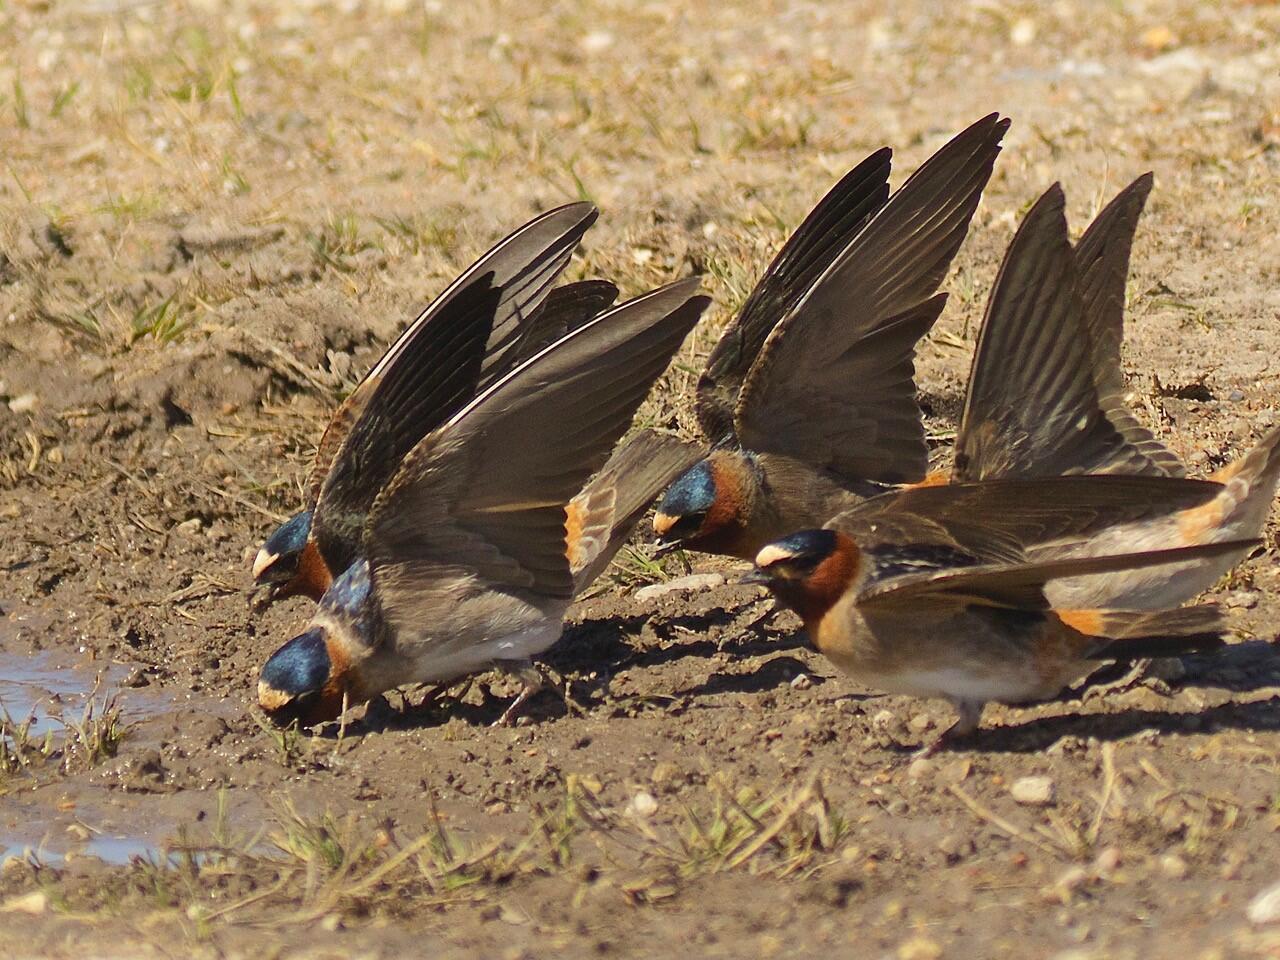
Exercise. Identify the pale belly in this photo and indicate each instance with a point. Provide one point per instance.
(955, 654)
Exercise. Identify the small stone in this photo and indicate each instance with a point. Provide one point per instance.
(1068, 883)
(33, 903)
(1265, 907)
(920, 947)
(597, 42)
(919, 723)
(1243, 599)
(664, 771)
(190, 526)
(801, 681)
(695, 581)
(883, 720)
(1173, 866)
(23, 404)
(920, 767)
(1235, 396)
(1108, 861)
(1033, 791)
(1023, 32)
(643, 804)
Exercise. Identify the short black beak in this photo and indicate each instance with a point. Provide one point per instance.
(757, 577)
(664, 546)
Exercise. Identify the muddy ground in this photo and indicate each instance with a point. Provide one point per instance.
(212, 217)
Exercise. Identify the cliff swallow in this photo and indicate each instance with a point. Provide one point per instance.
(809, 397)
(1046, 396)
(475, 547)
(399, 400)
(948, 591)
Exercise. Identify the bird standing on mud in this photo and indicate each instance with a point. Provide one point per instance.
(474, 549)
(401, 398)
(809, 397)
(949, 591)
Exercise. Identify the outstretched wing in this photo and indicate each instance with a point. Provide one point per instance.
(1021, 585)
(1032, 407)
(1102, 265)
(814, 391)
(1001, 521)
(602, 516)
(482, 500)
(816, 243)
(432, 369)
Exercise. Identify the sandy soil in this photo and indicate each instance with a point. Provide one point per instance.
(212, 217)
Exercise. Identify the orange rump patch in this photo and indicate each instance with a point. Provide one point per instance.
(1090, 622)
(574, 518)
(1195, 523)
(935, 478)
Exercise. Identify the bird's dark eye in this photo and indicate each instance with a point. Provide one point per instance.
(686, 526)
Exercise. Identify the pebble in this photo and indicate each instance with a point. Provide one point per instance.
(1173, 866)
(32, 903)
(695, 581)
(643, 804)
(883, 719)
(920, 947)
(920, 723)
(1033, 791)
(1108, 861)
(23, 404)
(1265, 907)
(920, 767)
(1243, 599)
(801, 681)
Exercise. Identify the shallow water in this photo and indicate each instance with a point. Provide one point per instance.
(109, 849)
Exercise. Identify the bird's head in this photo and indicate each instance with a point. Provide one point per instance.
(312, 677)
(808, 571)
(705, 508)
(306, 680)
(289, 563)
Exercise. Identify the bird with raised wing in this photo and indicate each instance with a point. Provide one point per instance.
(948, 591)
(809, 398)
(400, 399)
(476, 546)
(1046, 398)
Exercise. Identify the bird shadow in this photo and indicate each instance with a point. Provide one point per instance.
(592, 651)
(1036, 736)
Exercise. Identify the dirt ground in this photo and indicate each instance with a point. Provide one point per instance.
(214, 215)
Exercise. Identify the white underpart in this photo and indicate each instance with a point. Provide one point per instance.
(440, 662)
(959, 684)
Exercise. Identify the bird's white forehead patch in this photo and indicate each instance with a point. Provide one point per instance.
(271, 699)
(663, 522)
(263, 560)
(772, 554)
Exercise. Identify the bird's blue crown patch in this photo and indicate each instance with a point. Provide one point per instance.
(300, 666)
(291, 536)
(694, 492)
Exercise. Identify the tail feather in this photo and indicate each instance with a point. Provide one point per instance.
(615, 499)
(1250, 487)
(1134, 635)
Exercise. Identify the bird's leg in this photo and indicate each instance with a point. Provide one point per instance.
(970, 715)
(532, 680)
(1118, 677)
